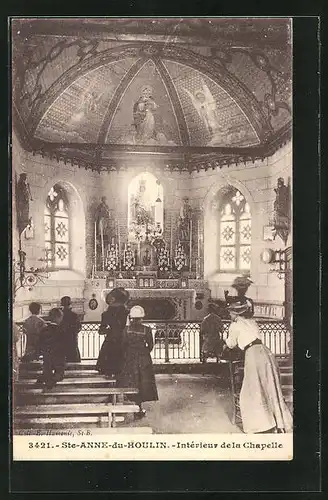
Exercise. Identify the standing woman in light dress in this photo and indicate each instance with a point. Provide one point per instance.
(263, 409)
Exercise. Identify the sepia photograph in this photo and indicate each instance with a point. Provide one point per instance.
(152, 294)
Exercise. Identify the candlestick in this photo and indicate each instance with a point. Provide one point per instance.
(119, 245)
(171, 245)
(190, 243)
(198, 248)
(102, 246)
(95, 262)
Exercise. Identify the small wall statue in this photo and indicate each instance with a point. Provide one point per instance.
(184, 220)
(281, 206)
(23, 198)
(103, 217)
(282, 201)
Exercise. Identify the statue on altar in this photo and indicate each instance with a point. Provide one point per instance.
(103, 219)
(185, 220)
(142, 211)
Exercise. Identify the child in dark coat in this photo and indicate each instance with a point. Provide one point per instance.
(33, 327)
(52, 346)
(137, 367)
(71, 326)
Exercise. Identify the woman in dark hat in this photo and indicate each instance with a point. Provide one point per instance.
(70, 326)
(262, 406)
(113, 322)
(241, 284)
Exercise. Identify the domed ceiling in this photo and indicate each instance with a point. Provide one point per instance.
(82, 87)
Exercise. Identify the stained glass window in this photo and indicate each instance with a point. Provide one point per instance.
(235, 233)
(57, 229)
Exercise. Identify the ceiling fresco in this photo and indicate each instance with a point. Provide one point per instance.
(213, 118)
(77, 114)
(123, 83)
(145, 114)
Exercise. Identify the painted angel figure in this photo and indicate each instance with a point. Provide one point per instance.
(89, 103)
(206, 107)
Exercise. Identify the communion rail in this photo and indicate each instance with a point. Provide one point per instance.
(178, 341)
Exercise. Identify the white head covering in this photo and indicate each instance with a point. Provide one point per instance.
(137, 312)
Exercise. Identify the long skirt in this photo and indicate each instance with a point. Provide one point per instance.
(262, 404)
(72, 352)
(110, 357)
(137, 371)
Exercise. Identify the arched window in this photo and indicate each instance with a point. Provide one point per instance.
(57, 228)
(235, 234)
(145, 208)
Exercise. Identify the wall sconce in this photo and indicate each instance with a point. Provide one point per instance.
(277, 259)
(269, 233)
(28, 278)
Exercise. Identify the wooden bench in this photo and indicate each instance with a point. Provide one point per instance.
(111, 410)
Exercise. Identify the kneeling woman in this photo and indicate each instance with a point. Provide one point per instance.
(137, 367)
(262, 405)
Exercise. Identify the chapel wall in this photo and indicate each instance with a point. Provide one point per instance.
(256, 181)
(42, 174)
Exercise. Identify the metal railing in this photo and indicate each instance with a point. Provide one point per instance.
(178, 341)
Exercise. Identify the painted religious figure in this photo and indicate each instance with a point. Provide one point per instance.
(147, 126)
(89, 103)
(23, 198)
(206, 107)
(143, 116)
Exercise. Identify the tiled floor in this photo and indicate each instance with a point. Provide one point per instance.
(189, 404)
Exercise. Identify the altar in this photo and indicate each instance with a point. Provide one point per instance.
(175, 299)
